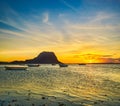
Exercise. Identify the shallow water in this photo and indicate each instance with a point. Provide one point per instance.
(89, 85)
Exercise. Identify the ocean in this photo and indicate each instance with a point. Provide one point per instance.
(50, 85)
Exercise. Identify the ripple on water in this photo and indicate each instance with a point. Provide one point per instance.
(87, 85)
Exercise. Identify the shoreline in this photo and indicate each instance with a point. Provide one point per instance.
(14, 98)
(31, 99)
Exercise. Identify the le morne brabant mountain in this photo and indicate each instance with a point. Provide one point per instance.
(42, 58)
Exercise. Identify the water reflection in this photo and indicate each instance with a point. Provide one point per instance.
(89, 84)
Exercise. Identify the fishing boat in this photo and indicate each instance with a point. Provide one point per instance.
(63, 65)
(15, 67)
(82, 64)
(53, 64)
(33, 65)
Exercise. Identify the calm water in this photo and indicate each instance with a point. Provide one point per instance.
(86, 84)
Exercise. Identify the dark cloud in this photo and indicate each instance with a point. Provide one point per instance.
(102, 58)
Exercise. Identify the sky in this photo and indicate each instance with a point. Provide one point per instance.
(76, 30)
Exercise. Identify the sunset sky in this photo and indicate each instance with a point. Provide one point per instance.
(76, 30)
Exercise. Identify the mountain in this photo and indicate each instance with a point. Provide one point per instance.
(42, 58)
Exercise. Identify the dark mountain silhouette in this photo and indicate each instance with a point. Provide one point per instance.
(42, 58)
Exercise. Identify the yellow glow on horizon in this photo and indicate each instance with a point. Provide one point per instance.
(63, 56)
(77, 41)
(83, 59)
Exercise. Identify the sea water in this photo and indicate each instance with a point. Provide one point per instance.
(89, 85)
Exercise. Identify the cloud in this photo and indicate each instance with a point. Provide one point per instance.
(101, 16)
(110, 60)
(67, 33)
(65, 38)
(35, 34)
(97, 58)
(45, 18)
(70, 6)
(93, 32)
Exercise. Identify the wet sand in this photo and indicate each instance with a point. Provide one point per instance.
(31, 99)
(11, 99)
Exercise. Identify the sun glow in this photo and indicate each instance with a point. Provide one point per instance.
(62, 56)
(73, 37)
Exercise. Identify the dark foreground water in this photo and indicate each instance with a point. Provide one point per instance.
(85, 85)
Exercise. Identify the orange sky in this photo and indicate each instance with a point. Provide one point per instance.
(63, 57)
(73, 35)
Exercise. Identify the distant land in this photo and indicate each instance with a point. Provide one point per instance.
(42, 58)
(45, 58)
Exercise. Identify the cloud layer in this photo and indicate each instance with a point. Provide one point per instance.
(98, 35)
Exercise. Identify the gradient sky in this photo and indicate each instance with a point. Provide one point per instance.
(76, 30)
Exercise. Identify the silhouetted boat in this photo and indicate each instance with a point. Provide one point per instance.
(82, 64)
(33, 65)
(53, 64)
(63, 65)
(16, 67)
